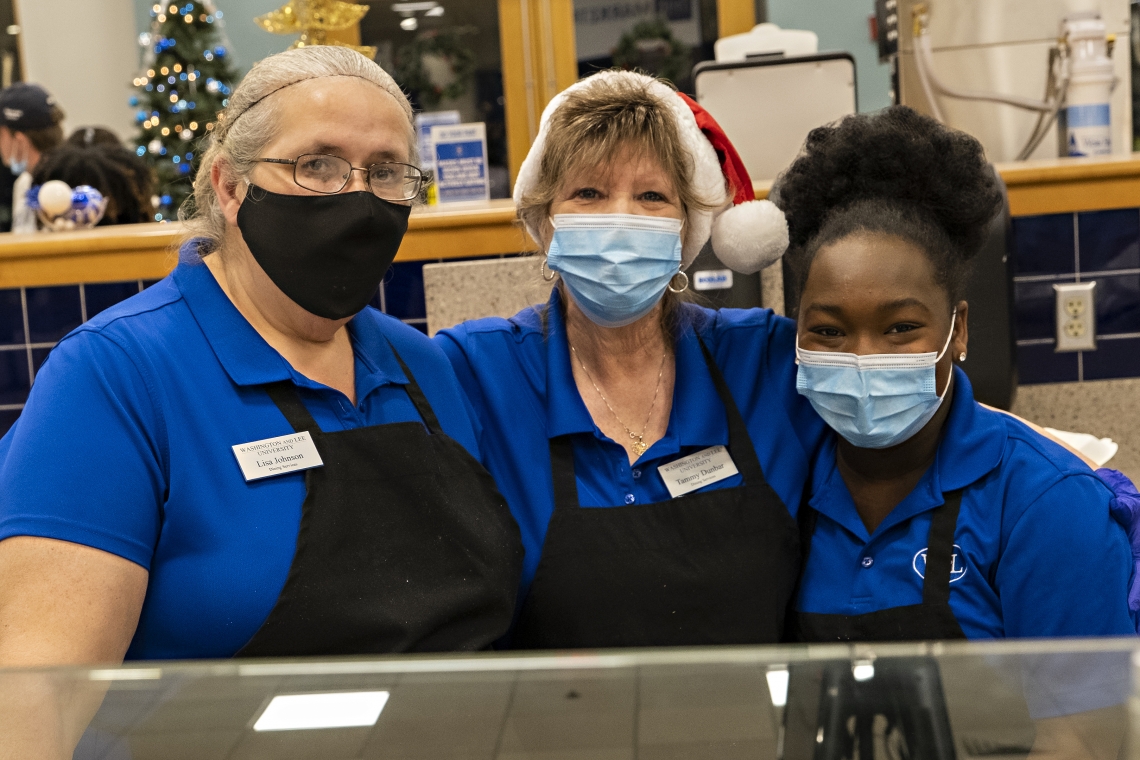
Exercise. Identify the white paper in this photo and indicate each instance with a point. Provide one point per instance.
(277, 456)
(1100, 450)
(697, 470)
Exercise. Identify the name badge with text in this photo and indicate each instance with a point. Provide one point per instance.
(277, 456)
(697, 470)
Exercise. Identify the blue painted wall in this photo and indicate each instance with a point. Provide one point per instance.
(841, 25)
(248, 42)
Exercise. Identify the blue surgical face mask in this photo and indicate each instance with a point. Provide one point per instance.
(18, 167)
(874, 401)
(616, 266)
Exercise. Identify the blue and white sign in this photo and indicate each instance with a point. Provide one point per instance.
(424, 123)
(461, 162)
(1090, 129)
(712, 279)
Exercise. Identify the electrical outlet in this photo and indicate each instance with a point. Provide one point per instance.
(1076, 316)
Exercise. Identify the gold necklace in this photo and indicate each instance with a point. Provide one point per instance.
(638, 439)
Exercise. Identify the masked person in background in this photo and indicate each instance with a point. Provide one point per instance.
(649, 448)
(30, 126)
(246, 460)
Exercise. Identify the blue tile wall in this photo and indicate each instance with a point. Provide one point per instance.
(1100, 245)
(33, 320)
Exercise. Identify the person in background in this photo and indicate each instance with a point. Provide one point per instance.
(122, 177)
(30, 126)
(87, 137)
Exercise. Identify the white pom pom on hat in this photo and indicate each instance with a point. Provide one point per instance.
(747, 234)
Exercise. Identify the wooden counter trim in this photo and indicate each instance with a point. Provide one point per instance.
(149, 251)
(1061, 186)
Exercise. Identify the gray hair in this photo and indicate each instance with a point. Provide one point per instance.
(247, 125)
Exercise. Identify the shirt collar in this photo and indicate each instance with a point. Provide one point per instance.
(697, 418)
(972, 444)
(247, 358)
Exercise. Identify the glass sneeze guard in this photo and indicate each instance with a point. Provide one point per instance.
(942, 700)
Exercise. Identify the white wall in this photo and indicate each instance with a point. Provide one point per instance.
(842, 25)
(1004, 47)
(84, 52)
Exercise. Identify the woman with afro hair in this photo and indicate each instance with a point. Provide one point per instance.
(931, 516)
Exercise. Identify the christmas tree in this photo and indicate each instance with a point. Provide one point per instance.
(186, 81)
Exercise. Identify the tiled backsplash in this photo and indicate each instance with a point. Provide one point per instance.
(1100, 245)
(33, 320)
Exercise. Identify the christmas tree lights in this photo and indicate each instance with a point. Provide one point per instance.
(186, 82)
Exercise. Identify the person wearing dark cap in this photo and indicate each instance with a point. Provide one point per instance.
(30, 125)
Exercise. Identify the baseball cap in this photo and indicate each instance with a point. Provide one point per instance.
(25, 106)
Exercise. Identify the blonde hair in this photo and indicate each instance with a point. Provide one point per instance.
(248, 124)
(596, 123)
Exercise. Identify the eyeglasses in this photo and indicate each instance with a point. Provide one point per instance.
(388, 180)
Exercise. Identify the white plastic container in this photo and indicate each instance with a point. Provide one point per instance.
(1088, 113)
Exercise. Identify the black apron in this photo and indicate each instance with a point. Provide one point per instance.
(405, 544)
(714, 567)
(931, 620)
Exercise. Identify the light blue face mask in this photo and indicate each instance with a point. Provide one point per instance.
(18, 167)
(616, 266)
(874, 401)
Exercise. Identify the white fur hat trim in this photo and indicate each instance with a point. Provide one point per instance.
(750, 236)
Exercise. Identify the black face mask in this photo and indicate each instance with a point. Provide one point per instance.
(326, 252)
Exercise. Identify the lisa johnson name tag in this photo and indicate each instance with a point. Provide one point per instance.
(697, 470)
(277, 456)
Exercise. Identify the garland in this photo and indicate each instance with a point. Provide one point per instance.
(411, 73)
(671, 66)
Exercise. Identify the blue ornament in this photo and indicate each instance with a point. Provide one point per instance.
(140, 151)
(134, 101)
(219, 51)
(176, 158)
(164, 200)
(140, 116)
(189, 156)
(184, 168)
(162, 151)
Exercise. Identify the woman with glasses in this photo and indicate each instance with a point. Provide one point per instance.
(245, 460)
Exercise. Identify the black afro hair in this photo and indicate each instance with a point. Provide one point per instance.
(894, 172)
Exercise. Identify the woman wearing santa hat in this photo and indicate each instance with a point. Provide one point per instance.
(649, 448)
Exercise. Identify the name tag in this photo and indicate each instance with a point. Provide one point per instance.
(697, 470)
(277, 456)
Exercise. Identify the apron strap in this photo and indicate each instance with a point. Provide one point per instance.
(739, 442)
(416, 394)
(940, 551)
(939, 546)
(285, 395)
(562, 472)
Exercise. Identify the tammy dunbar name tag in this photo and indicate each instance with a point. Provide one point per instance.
(697, 470)
(277, 456)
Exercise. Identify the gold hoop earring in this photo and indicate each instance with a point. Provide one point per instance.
(542, 270)
(681, 289)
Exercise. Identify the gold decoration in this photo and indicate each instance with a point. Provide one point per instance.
(313, 20)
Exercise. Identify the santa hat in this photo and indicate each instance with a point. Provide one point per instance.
(747, 234)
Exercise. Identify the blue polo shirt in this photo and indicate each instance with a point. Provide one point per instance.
(522, 388)
(124, 446)
(1037, 553)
